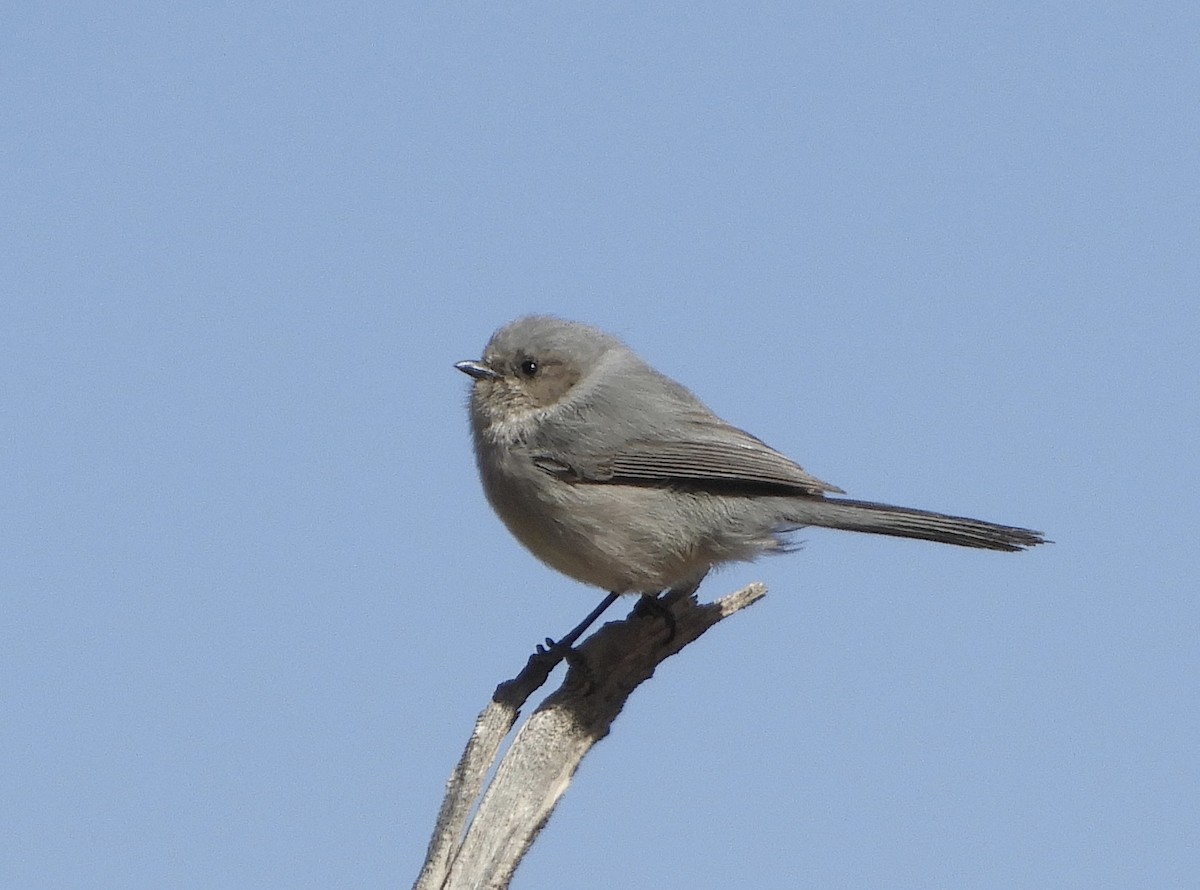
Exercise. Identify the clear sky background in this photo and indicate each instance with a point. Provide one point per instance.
(252, 598)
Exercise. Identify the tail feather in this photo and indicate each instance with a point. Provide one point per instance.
(905, 522)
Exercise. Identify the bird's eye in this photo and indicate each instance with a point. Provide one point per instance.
(529, 367)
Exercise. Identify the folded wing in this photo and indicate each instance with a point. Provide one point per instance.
(720, 455)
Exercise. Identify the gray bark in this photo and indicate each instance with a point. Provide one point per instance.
(481, 846)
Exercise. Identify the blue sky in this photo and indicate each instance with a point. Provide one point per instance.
(944, 255)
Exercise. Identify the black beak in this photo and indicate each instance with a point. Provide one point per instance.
(478, 370)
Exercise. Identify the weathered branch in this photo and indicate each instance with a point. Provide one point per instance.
(484, 851)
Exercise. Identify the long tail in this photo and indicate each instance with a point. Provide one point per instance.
(905, 522)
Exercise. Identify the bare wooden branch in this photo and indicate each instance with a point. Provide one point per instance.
(485, 850)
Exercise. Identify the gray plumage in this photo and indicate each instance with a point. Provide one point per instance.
(617, 476)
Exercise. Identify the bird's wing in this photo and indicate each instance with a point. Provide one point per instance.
(709, 453)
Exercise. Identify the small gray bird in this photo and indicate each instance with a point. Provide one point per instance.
(619, 477)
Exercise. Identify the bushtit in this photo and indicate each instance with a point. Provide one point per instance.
(619, 477)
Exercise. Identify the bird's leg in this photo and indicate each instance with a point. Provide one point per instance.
(651, 605)
(660, 605)
(563, 648)
(552, 653)
(514, 693)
